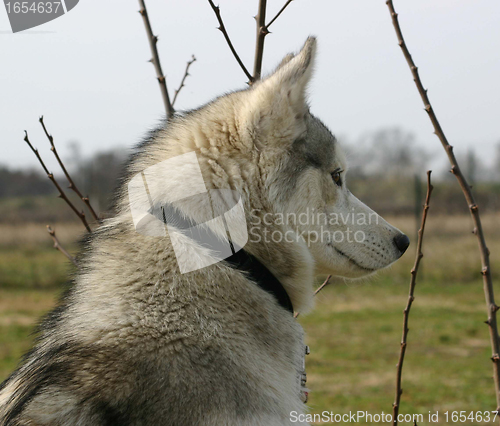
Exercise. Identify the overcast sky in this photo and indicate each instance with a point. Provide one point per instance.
(87, 71)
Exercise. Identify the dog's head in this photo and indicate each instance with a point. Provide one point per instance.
(304, 175)
(263, 144)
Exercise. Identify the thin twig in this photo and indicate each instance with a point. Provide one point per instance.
(278, 14)
(71, 183)
(81, 215)
(411, 298)
(153, 41)
(321, 287)
(262, 31)
(222, 29)
(58, 246)
(474, 211)
(186, 73)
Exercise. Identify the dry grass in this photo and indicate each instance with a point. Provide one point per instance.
(35, 234)
(450, 249)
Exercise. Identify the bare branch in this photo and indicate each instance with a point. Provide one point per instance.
(186, 73)
(57, 245)
(222, 29)
(71, 183)
(259, 43)
(81, 215)
(153, 41)
(321, 287)
(474, 210)
(411, 298)
(278, 14)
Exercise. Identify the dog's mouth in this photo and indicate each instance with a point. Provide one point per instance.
(351, 260)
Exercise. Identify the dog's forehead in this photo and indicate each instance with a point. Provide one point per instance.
(318, 146)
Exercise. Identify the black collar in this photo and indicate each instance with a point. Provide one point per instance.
(257, 272)
(240, 260)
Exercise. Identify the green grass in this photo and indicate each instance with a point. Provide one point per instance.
(20, 310)
(32, 268)
(354, 336)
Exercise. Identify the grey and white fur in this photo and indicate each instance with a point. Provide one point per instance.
(135, 342)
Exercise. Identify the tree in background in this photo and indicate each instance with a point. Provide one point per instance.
(389, 152)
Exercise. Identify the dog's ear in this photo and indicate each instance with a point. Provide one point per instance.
(285, 61)
(279, 101)
(289, 80)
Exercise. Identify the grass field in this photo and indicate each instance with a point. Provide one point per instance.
(354, 333)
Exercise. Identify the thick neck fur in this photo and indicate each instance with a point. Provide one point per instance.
(229, 162)
(241, 142)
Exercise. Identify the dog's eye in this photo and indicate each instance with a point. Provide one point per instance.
(336, 177)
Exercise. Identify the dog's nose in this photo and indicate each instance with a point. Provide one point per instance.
(402, 242)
